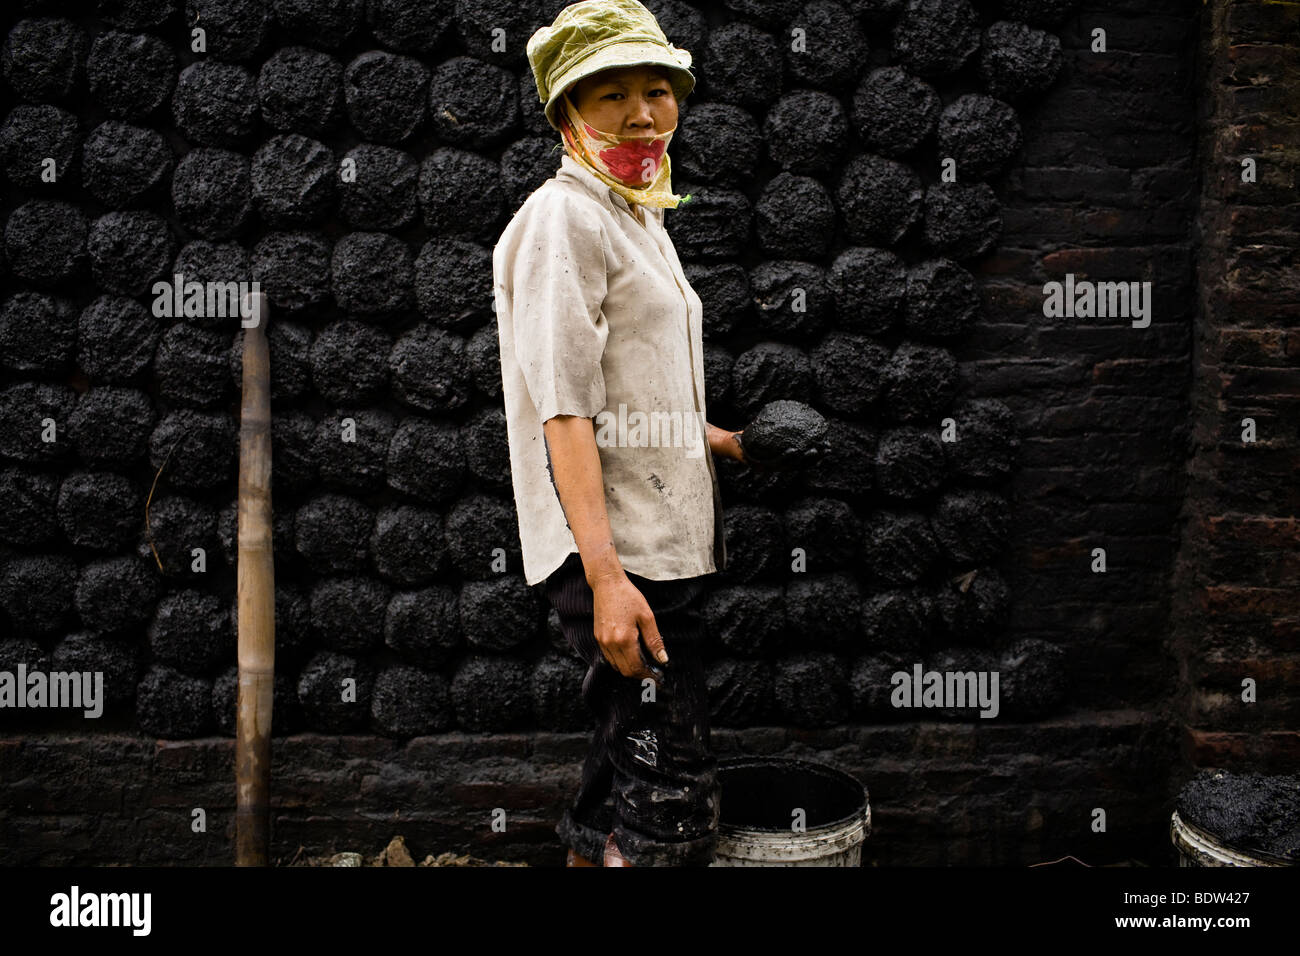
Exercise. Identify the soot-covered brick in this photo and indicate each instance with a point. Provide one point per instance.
(423, 627)
(961, 221)
(806, 132)
(100, 511)
(211, 192)
(412, 26)
(371, 273)
(791, 299)
(293, 179)
(130, 75)
(716, 224)
(894, 111)
(1042, 13)
(382, 193)
(795, 217)
(385, 95)
(898, 546)
(453, 283)
(981, 133)
(942, 299)
(557, 694)
(233, 29)
(935, 37)
(823, 610)
(116, 596)
(976, 615)
(719, 143)
(971, 525)
(171, 705)
(920, 381)
(195, 449)
(479, 527)
(746, 619)
(301, 90)
(460, 194)
(177, 525)
(409, 702)
(23, 409)
(740, 692)
(879, 199)
(429, 372)
(44, 58)
(492, 693)
(351, 448)
(323, 23)
(128, 250)
(37, 593)
(111, 425)
(499, 613)
(191, 366)
(472, 104)
(408, 544)
(909, 462)
(349, 362)
(33, 135)
(334, 692)
(869, 286)
(1018, 62)
(190, 631)
(116, 338)
(45, 241)
(215, 104)
(849, 371)
(425, 460)
(736, 65)
(333, 533)
(345, 610)
(812, 689)
(38, 333)
(293, 269)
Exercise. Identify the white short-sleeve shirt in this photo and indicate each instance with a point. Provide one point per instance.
(596, 319)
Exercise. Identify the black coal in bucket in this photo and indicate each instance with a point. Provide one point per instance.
(779, 811)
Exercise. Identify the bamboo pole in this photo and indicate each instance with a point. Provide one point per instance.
(256, 597)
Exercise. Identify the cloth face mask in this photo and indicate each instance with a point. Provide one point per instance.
(622, 162)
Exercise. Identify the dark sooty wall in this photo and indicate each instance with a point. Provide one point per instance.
(835, 267)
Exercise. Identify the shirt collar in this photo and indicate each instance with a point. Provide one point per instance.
(573, 170)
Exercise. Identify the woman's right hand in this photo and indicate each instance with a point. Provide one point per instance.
(622, 619)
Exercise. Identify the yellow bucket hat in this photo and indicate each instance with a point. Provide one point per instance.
(595, 35)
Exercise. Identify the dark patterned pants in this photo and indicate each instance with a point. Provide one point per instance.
(650, 777)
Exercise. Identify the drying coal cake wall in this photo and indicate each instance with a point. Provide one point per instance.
(358, 160)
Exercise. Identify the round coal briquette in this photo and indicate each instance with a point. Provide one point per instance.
(334, 692)
(812, 689)
(385, 95)
(177, 524)
(791, 299)
(823, 610)
(971, 525)
(199, 449)
(920, 382)
(29, 518)
(379, 192)
(981, 133)
(232, 29)
(849, 371)
(848, 469)
(498, 30)
(408, 544)
(681, 22)
(1018, 62)
(45, 241)
(483, 353)
(43, 59)
(100, 511)
(423, 627)
(879, 199)
(794, 217)
(736, 65)
(472, 104)
(482, 533)
(487, 453)
(351, 448)
(869, 286)
(116, 596)
(909, 462)
(38, 333)
(806, 133)
(454, 282)
(724, 290)
(293, 450)
(129, 250)
(116, 338)
(425, 460)
(429, 369)
(333, 533)
(191, 366)
(137, 14)
(190, 631)
(293, 269)
(872, 686)
(300, 90)
(977, 614)
(833, 50)
(461, 194)
(371, 274)
(215, 104)
(290, 348)
(526, 164)
(411, 26)
(225, 702)
(499, 613)
(119, 661)
(783, 427)
(740, 692)
(987, 442)
(293, 637)
(557, 694)
(130, 75)
(770, 12)
(32, 137)
(942, 299)
(756, 548)
(716, 223)
(719, 143)
(746, 619)
(531, 114)
(349, 362)
(492, 693)
(24, 408)
(409, 702)
(899, 620)
(322, 23)
(826, 531)
(111, 425)
(718, 363)
(293, 179)
(345, 610)
(898, 547)
(211, 192)
(962, 221)
(749, 485)
(767, 372)
(935, 37)
(894, 111)
(37, 592)
(173, 706)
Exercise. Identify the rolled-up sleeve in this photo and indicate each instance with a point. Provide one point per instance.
(556, 279)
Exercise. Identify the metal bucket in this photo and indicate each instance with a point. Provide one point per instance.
(1197, 847)
(778, 811)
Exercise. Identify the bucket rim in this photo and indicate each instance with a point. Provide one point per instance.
(859, 816)
(1178, 822)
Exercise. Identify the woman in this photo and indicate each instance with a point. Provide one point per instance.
(600, 337)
